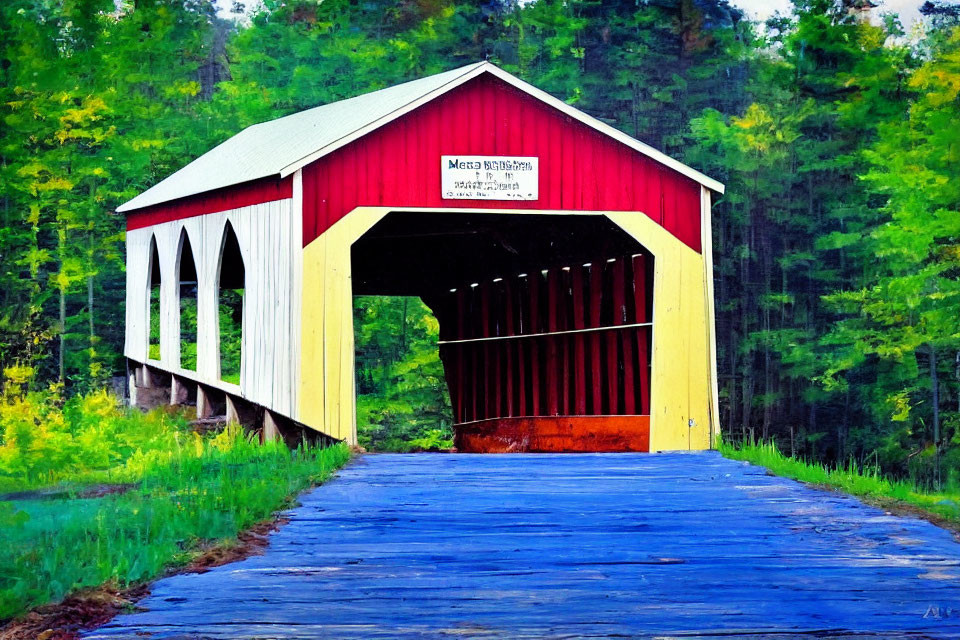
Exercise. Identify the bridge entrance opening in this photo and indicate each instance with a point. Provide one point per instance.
(545, 323)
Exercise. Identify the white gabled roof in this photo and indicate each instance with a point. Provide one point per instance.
(280, 147)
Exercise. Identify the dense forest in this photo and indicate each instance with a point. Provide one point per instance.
(836, 131)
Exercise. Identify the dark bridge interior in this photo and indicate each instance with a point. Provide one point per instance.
(545, 322)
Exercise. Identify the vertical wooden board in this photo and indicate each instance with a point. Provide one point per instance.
(459, 353)
(698, 369)
(206, 296)
(614, 272)
(509, 345)
(348, 378)
(496, 307)
(193, 230)
(250, 239)
(551, 343)
(131, 298)
(486, 350)
(523, 345)
(670, 380)
(208, 350)
(625, 338)
(706, 250)
(640, 266)
(295, 224)
(333, 297)
(565, 342)
(169, 335)
(281, 342)
(313, 360)
(593, 317)
(266, 303)
(137, 296)
(278, 322)
(534, 280)
(333, 335)
(579, 354)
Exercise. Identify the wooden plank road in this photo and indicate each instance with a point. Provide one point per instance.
(624, 545)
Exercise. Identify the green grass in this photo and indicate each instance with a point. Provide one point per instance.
(50, 548)
(867, 483)
(188, 491)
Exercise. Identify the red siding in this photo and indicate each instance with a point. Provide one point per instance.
(241, 195)
(613, 362)
(398, 165)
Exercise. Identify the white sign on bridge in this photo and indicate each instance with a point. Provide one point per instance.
(489, 177)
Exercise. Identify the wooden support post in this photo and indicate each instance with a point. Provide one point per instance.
(270, 429)
(204, 408)
(174, 390)
(132, 382)
(146, 379)
(232, 414)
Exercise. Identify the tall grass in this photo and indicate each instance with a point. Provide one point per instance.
(862, 481)
(46, 439)
(188, 490)
(50, 548)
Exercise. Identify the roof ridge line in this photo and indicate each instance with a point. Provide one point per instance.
(468, 70)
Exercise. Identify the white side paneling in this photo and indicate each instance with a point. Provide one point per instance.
(167, 241)
(206, 246)
(269, 237)
(296, 300)
(138, 297)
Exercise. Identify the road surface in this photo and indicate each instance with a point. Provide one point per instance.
(608, 545)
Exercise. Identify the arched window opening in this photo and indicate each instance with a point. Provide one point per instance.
(153, 343)
(231, 281)
(187, 276)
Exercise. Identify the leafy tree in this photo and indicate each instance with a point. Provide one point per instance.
(904, 323)
(402, 399)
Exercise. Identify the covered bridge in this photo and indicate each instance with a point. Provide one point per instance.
(568, 264)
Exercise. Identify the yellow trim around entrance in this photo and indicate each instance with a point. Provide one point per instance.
(681, 378)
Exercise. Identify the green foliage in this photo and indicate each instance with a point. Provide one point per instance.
(402, 401)
(45, 439)
(835, 243)
(188, 329)
(188, 489)
(231, 334)
(153, 345)
(202, 489)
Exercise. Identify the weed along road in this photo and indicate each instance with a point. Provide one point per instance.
(570, 546)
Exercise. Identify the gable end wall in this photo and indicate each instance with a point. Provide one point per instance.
(398, 165)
